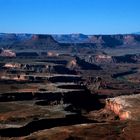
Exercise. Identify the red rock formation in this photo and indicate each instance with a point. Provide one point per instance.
(126, 107)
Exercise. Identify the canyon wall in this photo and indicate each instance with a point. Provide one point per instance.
(126, 107)
(118, 109)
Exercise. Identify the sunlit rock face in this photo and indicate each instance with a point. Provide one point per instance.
(12, 65)
(72, 64)
(7, 53)
(118, 109)
(20, 77)
(52, 54)
(103, 59)
(99, 59)
(126, 107)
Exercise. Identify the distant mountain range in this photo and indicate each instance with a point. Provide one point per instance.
(97, 39)
(71, 38)
(100, 41)
(38, 41)
(27, 41)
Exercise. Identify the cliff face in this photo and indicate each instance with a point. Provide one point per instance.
(99, 59)
(101, 40)
(27, 41)
(118, 109)
(126, 107)
(107, 59)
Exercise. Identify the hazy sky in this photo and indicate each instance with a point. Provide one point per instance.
(70, 16)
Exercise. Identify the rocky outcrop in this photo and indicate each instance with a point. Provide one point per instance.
(99, 59)
(86, 65)
(7, 53)
(126, 107)
(12, 65)
(107, 59)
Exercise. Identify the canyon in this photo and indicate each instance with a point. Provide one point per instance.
(69, 86)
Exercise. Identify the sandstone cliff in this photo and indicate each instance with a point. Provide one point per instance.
(126, 107)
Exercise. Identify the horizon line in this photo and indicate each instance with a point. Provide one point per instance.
(68, 33)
